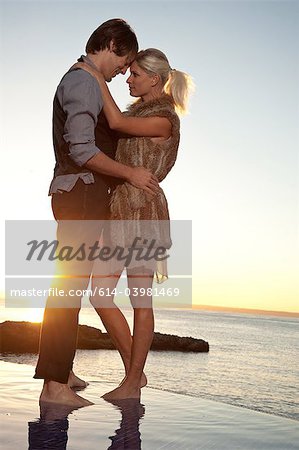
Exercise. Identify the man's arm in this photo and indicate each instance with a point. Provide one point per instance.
(137, 176)
(80, 97)
(155, 126)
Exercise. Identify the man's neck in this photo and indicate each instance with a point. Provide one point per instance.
(95, 60)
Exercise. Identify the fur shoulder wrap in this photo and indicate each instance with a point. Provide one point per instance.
(129, 202)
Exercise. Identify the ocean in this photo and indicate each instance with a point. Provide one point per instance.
(252, 362)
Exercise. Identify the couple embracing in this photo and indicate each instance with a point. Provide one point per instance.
(108, 168)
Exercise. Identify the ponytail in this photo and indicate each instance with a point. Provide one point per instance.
(179, 86)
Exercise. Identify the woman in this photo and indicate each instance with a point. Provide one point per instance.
(152, 128)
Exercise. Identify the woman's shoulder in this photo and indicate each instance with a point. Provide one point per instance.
(155, 104)
(159, 107)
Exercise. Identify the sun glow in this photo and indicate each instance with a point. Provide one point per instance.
(34, 315)
(25, 314)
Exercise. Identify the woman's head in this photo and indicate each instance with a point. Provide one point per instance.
(153, 61)
(151, 71)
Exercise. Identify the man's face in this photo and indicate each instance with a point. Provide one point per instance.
(113, 64)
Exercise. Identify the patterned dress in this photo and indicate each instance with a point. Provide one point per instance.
(137, 213)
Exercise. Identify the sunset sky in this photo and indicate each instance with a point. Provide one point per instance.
(236, 176)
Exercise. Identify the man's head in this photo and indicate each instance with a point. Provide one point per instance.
(112, 47)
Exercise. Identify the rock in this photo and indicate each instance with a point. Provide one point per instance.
(172, 342)
(23, 337)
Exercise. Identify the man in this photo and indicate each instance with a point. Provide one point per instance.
(84, 150)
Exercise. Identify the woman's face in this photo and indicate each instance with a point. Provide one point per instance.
(140, 83)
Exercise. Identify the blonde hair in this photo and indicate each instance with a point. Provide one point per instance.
(176, 84)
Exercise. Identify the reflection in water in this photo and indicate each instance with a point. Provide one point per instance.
(50, 431)
(128, 435)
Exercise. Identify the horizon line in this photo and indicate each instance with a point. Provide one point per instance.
(246, 310)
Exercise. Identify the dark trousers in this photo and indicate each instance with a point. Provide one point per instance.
(79, 214)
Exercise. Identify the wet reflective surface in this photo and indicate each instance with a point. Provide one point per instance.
(50, 431)
(162, 420)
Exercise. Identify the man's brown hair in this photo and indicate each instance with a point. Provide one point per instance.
(116, 30)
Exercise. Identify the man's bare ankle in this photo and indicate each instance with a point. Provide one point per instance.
(54, 385)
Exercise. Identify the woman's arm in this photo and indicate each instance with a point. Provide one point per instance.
(135, 126)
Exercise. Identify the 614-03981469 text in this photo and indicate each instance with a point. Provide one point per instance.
(134, 292)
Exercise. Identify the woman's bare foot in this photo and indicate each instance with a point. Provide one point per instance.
(124, 391)
(75, 381)
(143, 380)
(54, 392)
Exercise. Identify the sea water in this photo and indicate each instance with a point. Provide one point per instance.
(252, 362)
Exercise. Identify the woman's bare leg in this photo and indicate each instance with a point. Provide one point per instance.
(117, 326)
(142, 338)
(115, 322)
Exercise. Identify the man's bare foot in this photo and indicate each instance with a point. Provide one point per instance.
(54, 392)
(75, 381)
(143, 380)
(50, 412)
(122, 392)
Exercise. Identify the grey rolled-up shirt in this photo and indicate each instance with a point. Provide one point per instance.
(80, 98)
